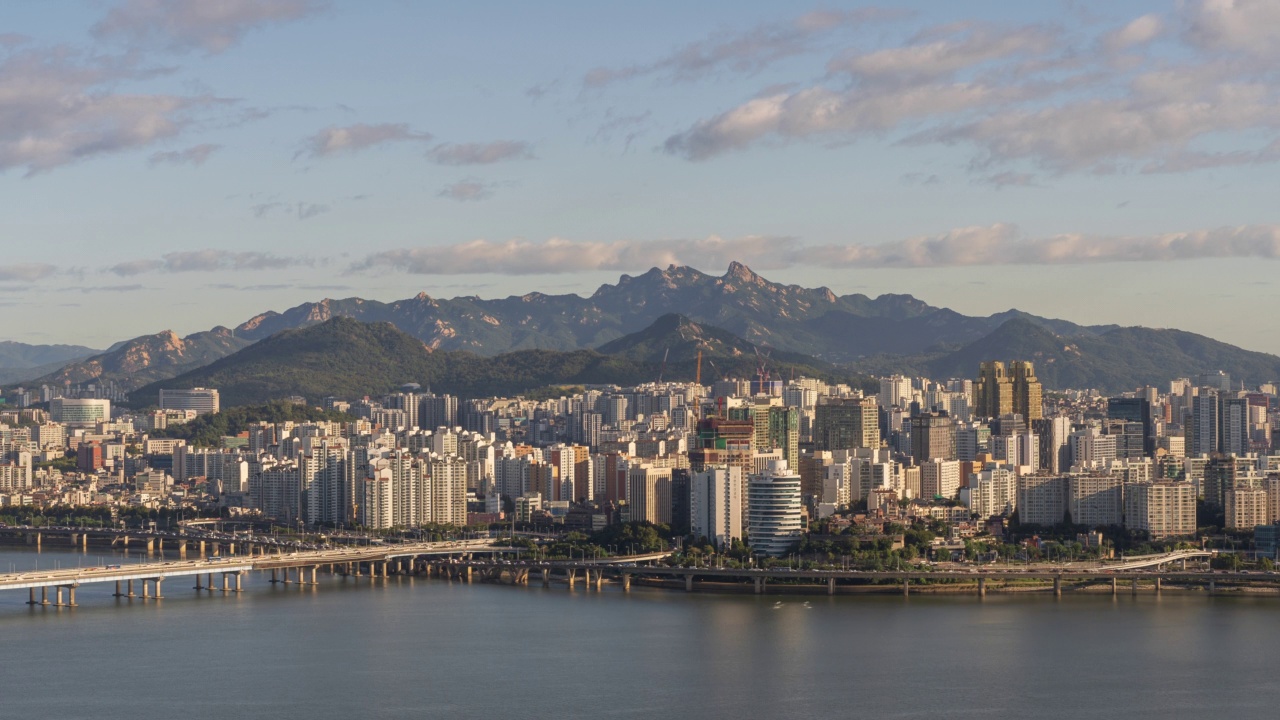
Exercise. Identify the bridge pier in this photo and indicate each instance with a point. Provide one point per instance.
(198, 586)
(1134, 586)
(1057, 586)
(546, 577)
(831, 586)
(238, 580)
(572, 576)
(626, 582)
(224, 582)
(1115, 584)
(182, 549)
(982, 587)
(759, 582)
(1213, 586)
(906, 587)
(151, 547)
(273, 577)
(202, 553)
(688, 583)
(1157, 584)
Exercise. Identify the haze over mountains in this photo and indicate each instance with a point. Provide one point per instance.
(729, 316)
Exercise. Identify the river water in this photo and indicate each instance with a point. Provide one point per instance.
(418, 648)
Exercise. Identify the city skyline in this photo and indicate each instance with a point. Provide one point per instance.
(183, 165)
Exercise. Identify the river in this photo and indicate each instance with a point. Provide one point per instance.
(418, 648)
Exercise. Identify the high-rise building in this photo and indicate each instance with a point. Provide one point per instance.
(1042, 498)
(784, 432)
(1027, 391)
(895, 391)
(939, 479)
(201, 400)
(649, 493)
(933, 437)
(846, 423)
(1134, 410)
(79, 412)
(1205, 420)
(1161, 509)
(1233, 426)
(993, 390)
(716, 504)
(1246, 508)
(775, 516)
(1096, 499)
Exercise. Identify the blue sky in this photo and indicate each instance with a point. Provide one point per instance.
(178, 165)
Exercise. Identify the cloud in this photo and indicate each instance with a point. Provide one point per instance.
(300, 210)
(59, 106)
(209, 261)
(195, 155)
(353, 138)
(991, 245)
(310, 210)
(466, 190)
(480, 153)
(557, 256)
(1039, 96)
(1247, 26)
(1138, 32)
(746, 52)
(822, 111)
(962, 47)
(26, 272)
(184, 25)
(1003, 244)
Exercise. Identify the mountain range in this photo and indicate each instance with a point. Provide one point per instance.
(738, 313)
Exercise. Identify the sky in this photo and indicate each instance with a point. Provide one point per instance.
(185, 164)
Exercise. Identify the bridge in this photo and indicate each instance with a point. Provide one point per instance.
(373, 561)
(972, 580)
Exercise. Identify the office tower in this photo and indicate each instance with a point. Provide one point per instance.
(775, 518)
(716, 504)
(783, 432)
(993, 391)
(1027, 391)
(933, 436)
(649, 493)
(201, 400)
(82, 412)
(845, 424)
(1055, 450)
(1135, 410)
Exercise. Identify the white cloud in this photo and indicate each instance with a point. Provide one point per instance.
(743, 52)
(991, 245)
(26, 272)
(964, 47)
(480, 153)
(1039, 97)
(466, 191)
(557, 255)
(360, 136)
(1138, 32)
(1249, 26)
(182, 25)
(195, 155)
(58, 107)
(209, 261)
